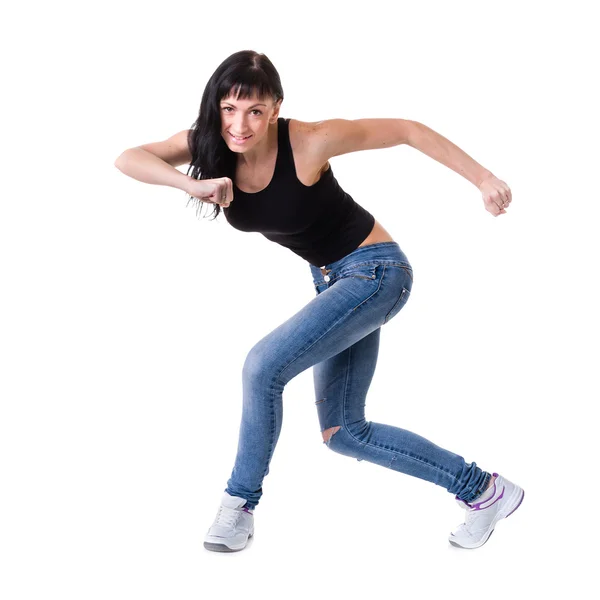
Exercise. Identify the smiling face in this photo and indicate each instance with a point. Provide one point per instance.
(244, 123)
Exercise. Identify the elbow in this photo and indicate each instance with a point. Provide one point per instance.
(120, 159)
(413, 131)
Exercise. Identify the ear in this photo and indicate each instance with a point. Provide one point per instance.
(276, 108)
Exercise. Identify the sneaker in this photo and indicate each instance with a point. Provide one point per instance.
(232, 526)
(482, 516)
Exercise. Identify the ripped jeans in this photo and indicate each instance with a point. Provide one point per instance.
(337, 333)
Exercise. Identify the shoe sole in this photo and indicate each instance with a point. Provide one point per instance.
(212, 546)
(499, 517)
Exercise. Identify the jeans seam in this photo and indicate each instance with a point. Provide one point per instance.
(344, 316)
(364, 444)
(273, 423)
(395, 452)
(400, 297)
(344, 401)
(375, 292)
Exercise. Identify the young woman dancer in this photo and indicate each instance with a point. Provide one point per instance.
(272, 175)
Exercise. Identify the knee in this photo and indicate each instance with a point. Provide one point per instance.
(329, 432)
(346, 442)
(258, 369)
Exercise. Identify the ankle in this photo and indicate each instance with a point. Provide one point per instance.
(485, 493)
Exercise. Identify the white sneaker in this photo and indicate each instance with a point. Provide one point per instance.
(232, 526)
(481, 517)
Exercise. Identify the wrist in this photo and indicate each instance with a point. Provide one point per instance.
(485, 174)
(182, 183)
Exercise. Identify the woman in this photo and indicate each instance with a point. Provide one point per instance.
(272, 175)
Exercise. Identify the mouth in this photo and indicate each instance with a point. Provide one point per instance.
(239, 140)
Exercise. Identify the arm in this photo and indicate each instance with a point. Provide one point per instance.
(335, 137)
(439, 148)
(155, 162)
(146, 167)
(496, 194)
(341, 136)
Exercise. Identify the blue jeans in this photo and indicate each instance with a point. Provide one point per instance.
(337, 333)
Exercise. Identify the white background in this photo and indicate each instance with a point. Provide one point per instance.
(126, 319)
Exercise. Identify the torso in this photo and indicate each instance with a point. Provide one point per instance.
(308, 170)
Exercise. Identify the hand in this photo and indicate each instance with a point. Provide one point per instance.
(218, 191)
(496, 195)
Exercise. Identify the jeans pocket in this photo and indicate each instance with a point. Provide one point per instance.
(357, 271)
(362, 271)
(402, 300)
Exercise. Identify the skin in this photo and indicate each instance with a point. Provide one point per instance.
(256, 117)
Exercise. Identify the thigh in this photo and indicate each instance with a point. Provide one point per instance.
(334, 320)
(342, 382)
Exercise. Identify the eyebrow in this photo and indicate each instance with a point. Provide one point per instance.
(248, 107)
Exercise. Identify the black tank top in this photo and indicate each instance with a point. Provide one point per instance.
(320, 223)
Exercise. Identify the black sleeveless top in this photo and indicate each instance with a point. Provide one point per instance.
(320, 223)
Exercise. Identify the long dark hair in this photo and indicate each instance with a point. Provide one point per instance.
(246, 73)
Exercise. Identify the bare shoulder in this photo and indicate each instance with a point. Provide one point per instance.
(305, 138)
(322, 140)
(302, 135)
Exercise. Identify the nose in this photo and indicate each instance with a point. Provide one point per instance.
(239, 125)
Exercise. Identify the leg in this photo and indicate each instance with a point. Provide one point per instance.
(353, 308)
(341, 386)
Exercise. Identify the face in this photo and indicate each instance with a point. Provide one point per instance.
(248, 119)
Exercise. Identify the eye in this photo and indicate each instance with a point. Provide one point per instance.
(254, 110)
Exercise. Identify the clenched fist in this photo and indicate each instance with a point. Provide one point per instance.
(496, 195)
(218, 191)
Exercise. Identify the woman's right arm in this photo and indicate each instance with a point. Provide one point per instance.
(155, 162)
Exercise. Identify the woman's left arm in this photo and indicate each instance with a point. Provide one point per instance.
(496, 193)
